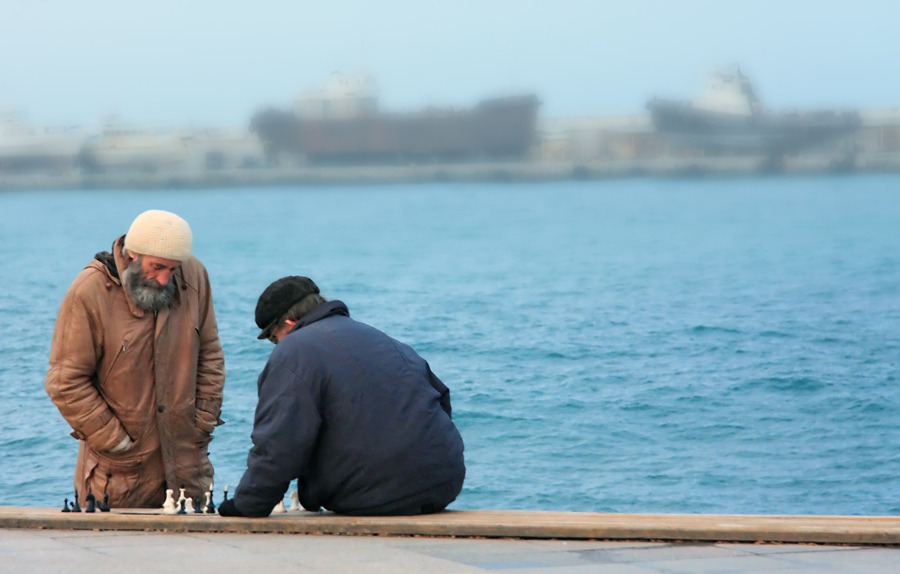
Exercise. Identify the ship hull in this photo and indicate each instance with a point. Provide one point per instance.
(766, 132)
(494, 129)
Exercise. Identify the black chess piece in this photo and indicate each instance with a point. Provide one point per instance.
(104, 506)
(198, 509)
(225, 493)
(90, 503)
(182, 509)
(211, 507)
(76, 507)
(65, 507)
(71, 507)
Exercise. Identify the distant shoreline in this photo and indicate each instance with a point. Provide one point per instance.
(484, 172)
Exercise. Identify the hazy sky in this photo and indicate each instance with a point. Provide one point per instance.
(214, 63)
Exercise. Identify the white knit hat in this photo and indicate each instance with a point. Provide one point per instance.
(161, 234)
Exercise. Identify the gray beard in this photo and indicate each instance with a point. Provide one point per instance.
(147, 294)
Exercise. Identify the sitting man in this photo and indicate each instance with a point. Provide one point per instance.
(356, 416)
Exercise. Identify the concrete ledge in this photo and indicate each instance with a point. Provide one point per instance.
(881, 530)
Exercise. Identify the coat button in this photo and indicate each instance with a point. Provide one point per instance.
(160, 408)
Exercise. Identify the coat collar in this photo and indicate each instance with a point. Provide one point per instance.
(324, 310)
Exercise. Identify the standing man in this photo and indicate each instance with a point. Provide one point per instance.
(136, 367)
(356, 416)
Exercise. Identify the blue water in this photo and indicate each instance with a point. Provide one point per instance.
(629, 346)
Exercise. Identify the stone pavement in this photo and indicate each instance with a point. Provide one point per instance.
(43, 540)
(35, 551)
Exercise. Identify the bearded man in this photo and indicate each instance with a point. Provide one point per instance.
(137, 369)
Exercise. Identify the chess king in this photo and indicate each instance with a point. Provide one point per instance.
(136, 366)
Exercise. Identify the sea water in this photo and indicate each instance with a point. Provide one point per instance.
(645, 345)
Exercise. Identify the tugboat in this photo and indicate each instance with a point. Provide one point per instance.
(729, 116)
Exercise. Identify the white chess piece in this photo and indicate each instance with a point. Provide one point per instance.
(208, 498)
(169, 506)
(295, 501)
(181, 496)
(279, 507)
(189, 505)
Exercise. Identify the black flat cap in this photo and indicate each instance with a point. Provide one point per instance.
(278, 298)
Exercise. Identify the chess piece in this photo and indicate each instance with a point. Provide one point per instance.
(279, 508)
(181, 503)
(76, 507)
(90, 503)
(71, 507)
(226, 493)
(169, 505)
(187, 505)
(198, 509)
(65, 507)
(210, 507)
(104, 506)
(295, 501)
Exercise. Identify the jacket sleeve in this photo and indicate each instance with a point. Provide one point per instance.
(210, 364)
(284, 434)
(442, 390)
(74, 355)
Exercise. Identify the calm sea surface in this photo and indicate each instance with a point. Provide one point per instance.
(715, 346)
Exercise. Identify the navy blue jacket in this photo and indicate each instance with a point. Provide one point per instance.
(357, 417)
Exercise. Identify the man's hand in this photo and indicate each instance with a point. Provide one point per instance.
(123, 446)
(228, 508)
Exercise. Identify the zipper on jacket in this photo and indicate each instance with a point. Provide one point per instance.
(115, 360)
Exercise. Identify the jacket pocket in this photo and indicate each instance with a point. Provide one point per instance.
(118, 479)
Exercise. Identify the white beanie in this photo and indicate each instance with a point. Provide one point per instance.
(161, 234)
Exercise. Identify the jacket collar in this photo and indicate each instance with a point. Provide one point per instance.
(323, 311)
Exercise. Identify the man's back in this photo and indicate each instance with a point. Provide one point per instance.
(372, 432)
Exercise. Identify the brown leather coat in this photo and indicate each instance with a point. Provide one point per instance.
(117, 370)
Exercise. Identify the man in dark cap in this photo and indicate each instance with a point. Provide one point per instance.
(356, 416)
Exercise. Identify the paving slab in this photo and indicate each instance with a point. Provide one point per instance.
(38, 551)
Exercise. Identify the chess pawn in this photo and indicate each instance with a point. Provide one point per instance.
(295, 501)
(169, 506)
(279, 508)
(187, 505)
(65, 507)
(90, 503)
(104, 506)
(76, 507)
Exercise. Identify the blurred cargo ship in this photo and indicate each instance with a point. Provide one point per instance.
(25, 147)
(729, 116)
(121, 146)
(342, 124)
